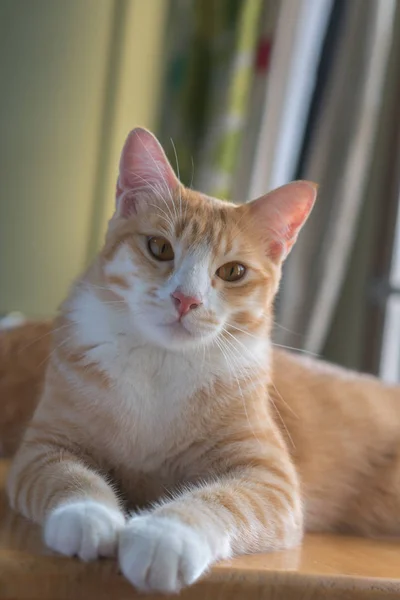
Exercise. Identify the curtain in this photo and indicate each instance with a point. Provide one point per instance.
(338, 157)
(211, 46)
(297, 41)
(233, 63)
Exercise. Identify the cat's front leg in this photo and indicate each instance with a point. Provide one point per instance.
(250, 509)
(77, 508)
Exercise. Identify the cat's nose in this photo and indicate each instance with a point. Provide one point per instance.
(184, 303)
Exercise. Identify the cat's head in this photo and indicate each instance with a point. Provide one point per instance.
(189, 267)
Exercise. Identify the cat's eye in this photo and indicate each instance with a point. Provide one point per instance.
(160, 248)
(232, 271)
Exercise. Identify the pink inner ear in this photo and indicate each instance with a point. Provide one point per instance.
(282, 213)
(143, 166)
(126, 202)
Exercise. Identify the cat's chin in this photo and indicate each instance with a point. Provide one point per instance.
(175, 336)
(178, 330)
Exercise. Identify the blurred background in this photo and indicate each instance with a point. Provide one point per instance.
(253, 93)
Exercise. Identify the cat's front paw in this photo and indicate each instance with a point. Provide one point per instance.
(84, 528)
(161, 554)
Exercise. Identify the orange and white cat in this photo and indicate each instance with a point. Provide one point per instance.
(163, 395)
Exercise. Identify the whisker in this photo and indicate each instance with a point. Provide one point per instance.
(191, 179)
(225, 354)
(93, 285)
(284, 401)
(166, 217)
(283, 422)
(246, 349)
(158, 193)
(269, 396)
(161, 174)
(47, 358)
(179, 177)
(257, 337)
(296, 349)
(276, 324)
(242, 230)
(41, 337)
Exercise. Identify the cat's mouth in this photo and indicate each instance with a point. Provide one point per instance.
(178, 327)
(181, 331)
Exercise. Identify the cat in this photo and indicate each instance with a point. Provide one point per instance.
(23, 354)
(169, 431)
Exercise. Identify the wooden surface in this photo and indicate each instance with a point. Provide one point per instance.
(324, 567)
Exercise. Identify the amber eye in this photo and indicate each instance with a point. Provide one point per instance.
(232, 271)
(160, 248)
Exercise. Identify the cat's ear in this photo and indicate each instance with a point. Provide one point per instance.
(143, 167)
(281, 214)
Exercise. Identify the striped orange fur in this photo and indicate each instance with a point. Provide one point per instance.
(174, 413)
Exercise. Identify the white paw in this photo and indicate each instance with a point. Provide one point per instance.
(161, 554)
(86, 528)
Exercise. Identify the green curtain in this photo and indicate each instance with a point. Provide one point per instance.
(209, 67)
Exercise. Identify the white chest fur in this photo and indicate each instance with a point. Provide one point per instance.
(151, 393)
(151, 388)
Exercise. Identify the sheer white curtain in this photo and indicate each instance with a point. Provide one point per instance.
(340, 148)
(298, 38)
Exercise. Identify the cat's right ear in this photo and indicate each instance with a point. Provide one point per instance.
(143, 167)
(281, 214)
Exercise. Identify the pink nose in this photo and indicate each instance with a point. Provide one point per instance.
(185, 303)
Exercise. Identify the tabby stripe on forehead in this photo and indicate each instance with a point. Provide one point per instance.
(179, 227)
(195, 229)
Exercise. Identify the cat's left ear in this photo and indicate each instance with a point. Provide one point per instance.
(143, 167)
(281, 214)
